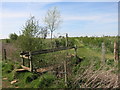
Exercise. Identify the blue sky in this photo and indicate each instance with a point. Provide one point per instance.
(79, 18)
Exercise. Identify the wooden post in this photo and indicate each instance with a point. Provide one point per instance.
(31, 65)
(65, 71)
(65, 67)
(5, 57)
(66, 40)
(75, 48)
(116, 56)
(22, 59)
(103, 53)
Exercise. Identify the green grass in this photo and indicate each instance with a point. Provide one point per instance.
(25, 78)
(89, 55)
(87, 52)
(43, 81)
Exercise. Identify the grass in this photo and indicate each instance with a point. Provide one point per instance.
(43, 81)
(87, 52)
(48, 80)
(26, 79)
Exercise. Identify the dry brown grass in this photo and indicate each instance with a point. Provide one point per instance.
(98, 79)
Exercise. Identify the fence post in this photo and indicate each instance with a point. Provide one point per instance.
(103, 53)
(31, 65)
(66, 40)
(65, 66)
(5, 57)
(75, 48)
(22, 59)
(65, 71)
(116, 56)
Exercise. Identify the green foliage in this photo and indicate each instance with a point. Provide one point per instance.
(76, 68)
(61, 42)
(97, 64)
(13, 36)
(95, 42)
(85, 62)
(7, 40)
(29, 40)
(58, 83)
(31, 28)
(29, 44)
(71, 42)
(90, 53)
(110, 62)
(7, 68)
(44, 81)
(25, 77)
(31, 77)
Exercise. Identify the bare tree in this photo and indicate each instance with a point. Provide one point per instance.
(52, 20)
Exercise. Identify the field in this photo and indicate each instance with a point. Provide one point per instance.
(84, 70)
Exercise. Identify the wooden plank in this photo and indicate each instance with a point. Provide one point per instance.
(41, 70)
(26, 68)
(46, 51)
(24, 56)
(23, 53)
(20, 70)
(50, 50)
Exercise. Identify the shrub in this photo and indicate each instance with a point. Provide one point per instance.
(13, 36)
(7, 40)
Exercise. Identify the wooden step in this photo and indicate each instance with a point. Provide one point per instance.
(42, 70)
(20, 70)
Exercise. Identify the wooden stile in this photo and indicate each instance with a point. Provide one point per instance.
(28, 55)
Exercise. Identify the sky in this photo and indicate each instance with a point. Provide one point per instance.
(79, 18)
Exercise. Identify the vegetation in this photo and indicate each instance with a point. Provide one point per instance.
(85, 68)
(52, 20)
(26, 40)
(89, 57)
(13, 36)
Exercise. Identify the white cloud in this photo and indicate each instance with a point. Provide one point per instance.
(106, 18)
(13, 15)
(86, 18)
